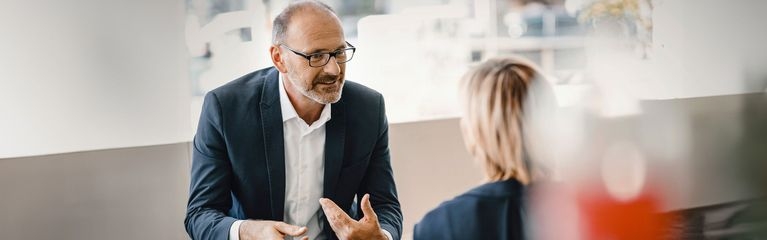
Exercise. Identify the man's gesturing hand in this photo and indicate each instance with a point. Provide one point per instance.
(252, 229)
(347, 228)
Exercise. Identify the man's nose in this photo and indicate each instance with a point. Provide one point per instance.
(332, 68)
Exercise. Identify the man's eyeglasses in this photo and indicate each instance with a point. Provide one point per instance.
(322, 58)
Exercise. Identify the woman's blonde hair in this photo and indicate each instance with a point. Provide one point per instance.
(495, 96)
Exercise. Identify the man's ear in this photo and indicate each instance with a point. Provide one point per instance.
(276, 56)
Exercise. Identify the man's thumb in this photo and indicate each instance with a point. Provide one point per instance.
(288, 229)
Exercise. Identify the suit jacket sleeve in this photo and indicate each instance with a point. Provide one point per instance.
(379, 181)
(211, 174)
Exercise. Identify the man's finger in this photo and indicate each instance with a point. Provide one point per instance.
(288, 229)
(336, 217)
(367, 209)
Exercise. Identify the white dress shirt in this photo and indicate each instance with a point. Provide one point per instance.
(304, 169)
(304, 166)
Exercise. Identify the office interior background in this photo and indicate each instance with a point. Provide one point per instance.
(99, 100)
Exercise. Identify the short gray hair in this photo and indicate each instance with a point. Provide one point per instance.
(281, 22)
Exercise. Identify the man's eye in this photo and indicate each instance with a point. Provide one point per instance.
(316, 57)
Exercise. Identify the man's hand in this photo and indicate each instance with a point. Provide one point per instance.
(253, 229)
(347, 228)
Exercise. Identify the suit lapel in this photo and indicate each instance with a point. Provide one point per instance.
(274, 143)
(334, 147)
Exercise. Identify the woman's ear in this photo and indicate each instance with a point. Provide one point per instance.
(277, 60)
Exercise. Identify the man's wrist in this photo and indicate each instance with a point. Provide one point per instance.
(234, 230)
(387, 234)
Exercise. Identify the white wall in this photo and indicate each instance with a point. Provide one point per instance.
(91, 74)
(709, 47)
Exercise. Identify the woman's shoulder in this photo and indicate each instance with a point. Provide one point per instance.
(486, 193)
(475, 203)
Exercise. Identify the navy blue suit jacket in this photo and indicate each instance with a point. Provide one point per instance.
(491, 211)
(238, 159)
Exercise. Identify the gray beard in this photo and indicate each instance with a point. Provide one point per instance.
(313, 95)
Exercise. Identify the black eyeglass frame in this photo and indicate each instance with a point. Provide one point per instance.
(331, 54)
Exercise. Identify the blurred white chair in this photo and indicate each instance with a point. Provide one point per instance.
(231, 56)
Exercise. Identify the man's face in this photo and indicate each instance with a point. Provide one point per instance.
(314, 32)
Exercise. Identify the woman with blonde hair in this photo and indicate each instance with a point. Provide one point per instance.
(500, 99)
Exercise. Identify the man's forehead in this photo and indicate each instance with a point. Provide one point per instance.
(315, 33)
(308, 20)
(316, 47)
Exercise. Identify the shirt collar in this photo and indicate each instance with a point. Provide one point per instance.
(289, 112)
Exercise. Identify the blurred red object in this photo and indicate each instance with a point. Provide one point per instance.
(604, 217)
(593, 214)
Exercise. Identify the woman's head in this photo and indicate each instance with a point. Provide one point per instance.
(497, 98)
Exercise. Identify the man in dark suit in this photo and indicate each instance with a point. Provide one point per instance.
(282, 152)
